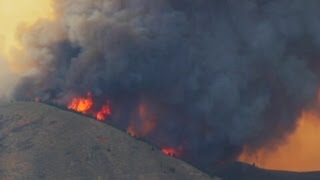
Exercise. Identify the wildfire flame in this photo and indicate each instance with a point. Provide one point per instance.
(174, 152)
(85, 105)
(82, 105)
(147, 119)
(104, 113)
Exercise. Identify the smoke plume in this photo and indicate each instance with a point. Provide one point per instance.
(9, 78)
(216, 75)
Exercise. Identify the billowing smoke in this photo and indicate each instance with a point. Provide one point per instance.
(8, 80)
(217, 75)
(4, 74)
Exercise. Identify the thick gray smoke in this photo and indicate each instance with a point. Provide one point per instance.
(218, 74)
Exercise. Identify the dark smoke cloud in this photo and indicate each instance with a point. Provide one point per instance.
(218, 74)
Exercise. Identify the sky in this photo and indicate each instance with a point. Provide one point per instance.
(13, 15)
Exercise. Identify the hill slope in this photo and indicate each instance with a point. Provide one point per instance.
(242, 171)
(42, 142)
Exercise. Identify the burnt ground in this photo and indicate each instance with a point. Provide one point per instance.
(38, 141)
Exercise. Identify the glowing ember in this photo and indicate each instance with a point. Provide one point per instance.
(82, 105)
(300, 152)
(104, 113)
(174, 152)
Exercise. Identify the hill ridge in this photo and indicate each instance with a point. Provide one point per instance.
(44, 142)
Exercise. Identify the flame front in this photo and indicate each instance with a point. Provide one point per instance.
(82, 105)
(86, 105)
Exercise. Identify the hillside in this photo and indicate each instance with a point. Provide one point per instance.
(242, 171)
(42, 142)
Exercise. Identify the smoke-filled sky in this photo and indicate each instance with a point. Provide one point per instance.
(218, 74)
(14, 15)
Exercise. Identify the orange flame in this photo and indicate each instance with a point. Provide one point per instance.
(300, 151)
(86, 106)
(104, 112)
(82, 105)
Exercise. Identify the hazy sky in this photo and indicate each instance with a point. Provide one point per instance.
(15, 14)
